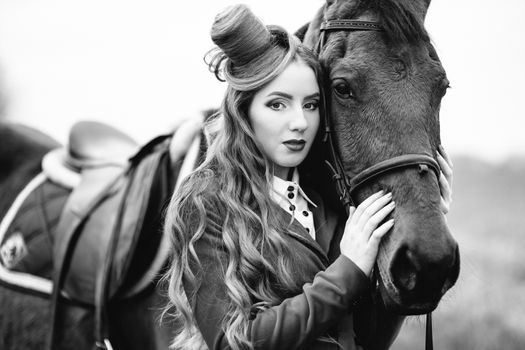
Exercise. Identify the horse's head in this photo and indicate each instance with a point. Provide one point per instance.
(384, 91)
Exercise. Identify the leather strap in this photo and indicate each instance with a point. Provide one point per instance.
(348, 24)
(69, 224)
(428, 339)
(104, 277)
(392, 164)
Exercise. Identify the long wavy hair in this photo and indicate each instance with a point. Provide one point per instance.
(235, 179)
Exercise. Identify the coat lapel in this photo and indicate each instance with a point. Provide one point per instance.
(299, 232)
(325, 221)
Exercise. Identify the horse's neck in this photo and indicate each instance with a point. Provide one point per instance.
(21, 144)
(21, 152)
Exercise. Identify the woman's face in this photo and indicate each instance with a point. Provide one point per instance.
(284, 116)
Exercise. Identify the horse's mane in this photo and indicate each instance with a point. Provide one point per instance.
(399, 18)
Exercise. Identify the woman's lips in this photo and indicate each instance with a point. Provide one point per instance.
(295, 145)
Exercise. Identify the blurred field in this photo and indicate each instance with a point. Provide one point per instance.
(486, 308)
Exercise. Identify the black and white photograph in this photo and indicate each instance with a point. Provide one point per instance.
(262, 175)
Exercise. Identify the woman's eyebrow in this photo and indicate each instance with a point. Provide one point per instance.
(281, 94)
(288, 96)
(314, 95)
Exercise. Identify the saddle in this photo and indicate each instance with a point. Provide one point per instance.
(108, 243)
(114, 210)
(104, 168)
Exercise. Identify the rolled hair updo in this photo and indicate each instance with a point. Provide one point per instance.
(248, 56)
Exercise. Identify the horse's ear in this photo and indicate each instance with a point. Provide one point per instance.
(424, 7)
(311, 36)
(301, 32)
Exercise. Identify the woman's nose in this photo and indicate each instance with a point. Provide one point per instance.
(298, 120)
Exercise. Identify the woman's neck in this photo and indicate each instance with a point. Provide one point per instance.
(285, 174)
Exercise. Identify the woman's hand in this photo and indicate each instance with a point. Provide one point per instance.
(360, 242)
(445, 179)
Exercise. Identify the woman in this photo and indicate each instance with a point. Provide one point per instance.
(253, 262)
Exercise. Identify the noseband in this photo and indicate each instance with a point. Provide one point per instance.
(345, 185)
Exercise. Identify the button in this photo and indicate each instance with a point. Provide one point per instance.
(292, 207)
(305, 213)
(291, 195)
(290, 188)
(307, 230)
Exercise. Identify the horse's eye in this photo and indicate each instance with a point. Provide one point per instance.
(343, 89)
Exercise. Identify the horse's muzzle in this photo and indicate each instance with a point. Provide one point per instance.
(423, 277)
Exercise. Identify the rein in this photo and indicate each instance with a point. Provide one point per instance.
(346, 186)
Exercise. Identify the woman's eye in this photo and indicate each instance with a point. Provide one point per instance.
(276, 105)
(311, 106)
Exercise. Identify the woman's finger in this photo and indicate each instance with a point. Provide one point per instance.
(444, 187)
(444, 206)
(366, 203)
(446, 169)
(446, 194)
(371, 225)
(445, 156)
(372, 209)
(379, 233)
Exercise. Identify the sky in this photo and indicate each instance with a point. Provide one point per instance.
(138, 65)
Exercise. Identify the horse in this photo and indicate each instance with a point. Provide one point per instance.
(385, 83)
(384, 88)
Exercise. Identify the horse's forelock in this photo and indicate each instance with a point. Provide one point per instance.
(335, 49)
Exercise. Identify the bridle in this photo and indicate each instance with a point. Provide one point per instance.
(346, 186)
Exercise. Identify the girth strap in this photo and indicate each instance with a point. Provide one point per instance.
(69, 223)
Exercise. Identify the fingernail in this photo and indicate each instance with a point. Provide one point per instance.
(391, 221)
(392, 204)
(388, 195)
(441, 149)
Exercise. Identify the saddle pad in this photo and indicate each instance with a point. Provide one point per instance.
(27, 243)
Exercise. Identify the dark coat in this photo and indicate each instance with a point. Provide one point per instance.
(332, 286)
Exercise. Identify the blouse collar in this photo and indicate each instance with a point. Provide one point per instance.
(283, 189)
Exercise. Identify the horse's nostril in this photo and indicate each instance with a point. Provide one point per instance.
(418, 276)
(404, 271)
